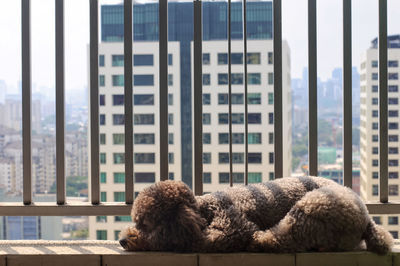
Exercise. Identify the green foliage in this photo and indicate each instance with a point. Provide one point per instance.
(80, 234)
(74, 185)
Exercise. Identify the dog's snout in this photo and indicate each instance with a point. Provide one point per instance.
(123, 243)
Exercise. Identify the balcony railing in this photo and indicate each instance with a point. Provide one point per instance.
(63, 208)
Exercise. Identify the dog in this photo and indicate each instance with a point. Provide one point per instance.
(284, 215)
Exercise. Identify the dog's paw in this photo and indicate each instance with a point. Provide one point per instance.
(132, 240)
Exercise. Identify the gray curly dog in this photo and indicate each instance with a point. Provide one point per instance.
(285, 215)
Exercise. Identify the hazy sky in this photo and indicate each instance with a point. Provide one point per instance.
(365, 28)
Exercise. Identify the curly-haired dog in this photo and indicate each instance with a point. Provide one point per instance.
(284, 215)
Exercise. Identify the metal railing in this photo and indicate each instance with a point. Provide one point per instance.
(62, 208)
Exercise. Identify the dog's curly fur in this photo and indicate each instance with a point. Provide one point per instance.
(284, 215)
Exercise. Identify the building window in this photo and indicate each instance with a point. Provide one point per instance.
(143, 119)
(206, 59)
(271, 138)
(253, 58)
(143, 80)
(393, 113)
(393, 163)
(271, 158)
(374, 162)
(254, 98)
(206, 119)
(118, 119)
(119, 158)
(119, 196)
(254, 138)
(145, 158)
(170, 61)
(171, 176)
(393, 220)
(144, 138)
(237, 138)
(393, 88)
(393, 150)
(393, 63)
(103, 177)
(170, 119)
(393, 101)
(206, 157)
(270, 58)
(374, 113)
(395, 234)
(170, 80)
(237, 78)
(254, 118)
(117, 60)
(116, 234)
(238, 178)
(143, 99)
(374, 76)
(222, 79)
(237, 98)
(170, 99)
(375, 101)
(171, 158)
(102, 119)
(206, 138)
(237, 58)
(222, 59)
(393, 175)
(374, 63)
(393, 138)
(118, 139)
(393, 190)
(271, 176)
(206, 99)
(375, 190)
(255, 157)
(374, 125)
(374, 150)
(393, 76)
(393, 125)
(254, 78)
(102, 139)
(270, 98)
(118, 80)
(145, 177)
(101, 60)
(223, 178)
(377, 219)
(254, 178)
(102, 99)
(101, 234)
(119, 178)
(375, 138)
(375, 175)
(143, 60)
(206, 178)
(170, 138)
(374, 88)
(223, 98)
(206, 79)
(101, 219)
(103, 159)
(102, 81)
(237, 118)
(118, 99)
(270, 78)
(271, 118)
(103, 196)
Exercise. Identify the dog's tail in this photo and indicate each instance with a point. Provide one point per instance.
(378, 240)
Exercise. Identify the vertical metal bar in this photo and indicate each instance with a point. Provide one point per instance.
(26, 101)
(246, 125)
(60, 116)
(198, 99)
(312, 89)
(163, 57)
(94, 103)
(383, 103)
(347, 95)
(128, 101)
(278, 133)
(230, 93)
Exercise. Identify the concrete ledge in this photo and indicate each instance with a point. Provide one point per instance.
(109, 253)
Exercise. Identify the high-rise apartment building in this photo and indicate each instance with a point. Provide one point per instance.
(180, 102)
(369, 128)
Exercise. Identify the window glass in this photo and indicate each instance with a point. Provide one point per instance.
(238, 178)
(223, 79)
(170, 99)
(253, 58)
(117, 60)
(374, 88)
(271, 138)
(377, 219)
(393, 138)
(254, 138)
(223, 178)
(374, 101)
(375, 189)
(145, 177)
(206, 79)
(171, 176)
(102, 81)
(393, 63)
(393, 126)
(206, 119)
(206, 138)
(395, 234)
(206, 99)
(393, 101)
(270, 78)
(170, 61)
(206, 157)
(118, 80)
(101, 219)
(101, 60)
(119, 178)
(102, 119)
(393, 175)
(170, 138)
(222, 59)
(254, 118)
(118, 99)
(237, 78)
(103, 196)
(171, 158)
(118, 139)
(144, 138)
(119, 196)
(145, 158)
(118, 119)
(101, 234)
(206, 178)
(143, 99)
(254, 78)
(374, 76)
(102, 100)
(143, 80)
(103, 158)
(143, 119)
(393, 76)
(170, 119)
(255, 157)
(254, 178)
(270, 58)
(393, 113)
(374, 63)
(393, 150)
(237, 98)
(270, 98)
(393, 88)
(170, 80)
(125, 219)
(143, 60)
(119, 158)
(254, 98)
(103, 177)
(375, 175)
(102, 139)
(393, 190)
(206, 59)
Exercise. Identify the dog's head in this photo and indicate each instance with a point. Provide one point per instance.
(166, 214)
